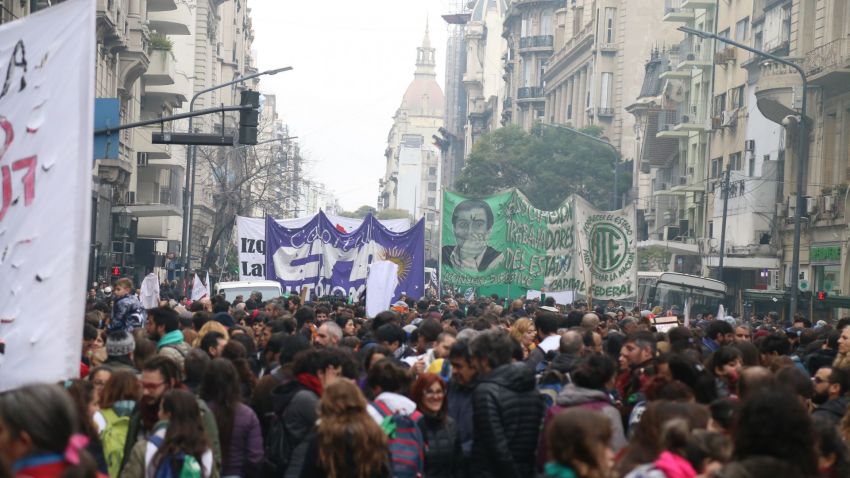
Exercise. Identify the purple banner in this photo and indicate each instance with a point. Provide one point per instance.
(327, 261)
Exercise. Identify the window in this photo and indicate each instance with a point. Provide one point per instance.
(432, 186)
(736, 97)
(524, 29)
(715, 167)
(546, 22)
(741, 29)
(719, 45)
(432, 202)
(758, 37)
(719, 105)
(610, 14)
(752, 168)
(527, 71)
(432, 172)
(735, 161)
(541, 73)
(578, 14)
(605, 93)
(430, 217)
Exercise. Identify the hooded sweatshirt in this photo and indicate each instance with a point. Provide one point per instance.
(588, 398)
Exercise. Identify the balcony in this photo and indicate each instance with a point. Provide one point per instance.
(536, 43)
(693, 118)
(530, 93)
(161, 5)
(605, 112)
(829, 65)
(777, 90)
(699, 4)
(693, 55)
(173, 22)
(110, 24)
(674, 13)
(161, 68)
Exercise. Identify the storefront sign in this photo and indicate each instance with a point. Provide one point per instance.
(825, 254)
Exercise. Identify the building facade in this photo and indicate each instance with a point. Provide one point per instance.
(412, 178)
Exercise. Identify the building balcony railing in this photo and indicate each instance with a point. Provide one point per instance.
(604, 111)
(537, 42)
(530, 92)
(673, 12)
(829, 62)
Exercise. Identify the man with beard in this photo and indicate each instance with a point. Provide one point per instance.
(163, 326)
(831, 387)
(472, 222)
(159, 375)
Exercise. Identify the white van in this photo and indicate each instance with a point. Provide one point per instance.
(269, 288)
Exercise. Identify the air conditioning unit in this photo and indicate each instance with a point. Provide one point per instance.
(731, 53)
(811, 205)
(750, 145)
(828, 203)
(720, 58)
(780, 209)
(729, 118)
(686, 119)
(792, 207)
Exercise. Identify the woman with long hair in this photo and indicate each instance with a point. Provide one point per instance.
(82, 392)
(525, 333)
(179, 440)
(238, 426)
(236, 353)
(348, 443)
(578, 445)
(118, 400)
(443, 450)
(39, 434)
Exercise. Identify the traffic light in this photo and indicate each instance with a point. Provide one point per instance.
(116, 271)
(821, 295)
(249, 118)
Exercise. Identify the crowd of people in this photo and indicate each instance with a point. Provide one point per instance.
(433, 388)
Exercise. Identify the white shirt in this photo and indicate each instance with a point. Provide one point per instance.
(550, 343)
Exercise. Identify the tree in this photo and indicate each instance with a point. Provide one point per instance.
(393, 214)
(359, 213)
(547, 165)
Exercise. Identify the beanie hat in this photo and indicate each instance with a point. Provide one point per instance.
(120, 343)
(224, 319)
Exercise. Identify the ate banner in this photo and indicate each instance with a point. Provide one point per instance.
(322, 259)
(251, 238)
(46, 141)
(502, 244)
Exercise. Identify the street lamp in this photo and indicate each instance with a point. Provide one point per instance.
(802, 153)
(189, 187)
(615, 199)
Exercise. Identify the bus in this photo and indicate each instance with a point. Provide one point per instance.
(694, 294)
(646, 281)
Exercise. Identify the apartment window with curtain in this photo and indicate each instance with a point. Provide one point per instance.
(742, 28)
(735, 161)
(524, 30)
(546, 22)
(527, 72)
(610, 16)
(719, 45)
(605, 91)
(578, 14)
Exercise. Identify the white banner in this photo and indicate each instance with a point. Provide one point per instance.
(606, 242)
(46, 125)
(251, 239)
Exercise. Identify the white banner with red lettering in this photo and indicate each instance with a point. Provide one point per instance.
(47, 64)
(251, 238)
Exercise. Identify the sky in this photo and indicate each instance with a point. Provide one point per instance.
(352, 63)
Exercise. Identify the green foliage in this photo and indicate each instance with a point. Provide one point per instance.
(360, 213)
(160, 42)
(547, 165)
(393, 214)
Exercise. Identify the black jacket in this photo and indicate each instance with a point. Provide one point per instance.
(833, 410)
(442, 454)
(507, 413)
(821, 358)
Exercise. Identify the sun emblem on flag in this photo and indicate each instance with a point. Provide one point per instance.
(401, 258)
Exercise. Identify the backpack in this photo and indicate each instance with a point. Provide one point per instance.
(404, 440)
(188, 465)
(278, 447)
(113, 437)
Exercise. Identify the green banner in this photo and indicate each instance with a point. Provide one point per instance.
(502, 244)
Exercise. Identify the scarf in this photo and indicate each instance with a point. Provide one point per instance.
(173, 337)
(674, 466)
(557, 470)
(311, 382)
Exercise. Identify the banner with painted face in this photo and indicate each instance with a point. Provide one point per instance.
(324, 260)
(502, 244)
(251, 238)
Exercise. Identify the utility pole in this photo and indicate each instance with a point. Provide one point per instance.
(724, 190)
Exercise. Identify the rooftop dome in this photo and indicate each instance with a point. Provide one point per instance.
(424, 97)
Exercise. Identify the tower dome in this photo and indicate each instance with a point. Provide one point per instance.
(424, 97)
